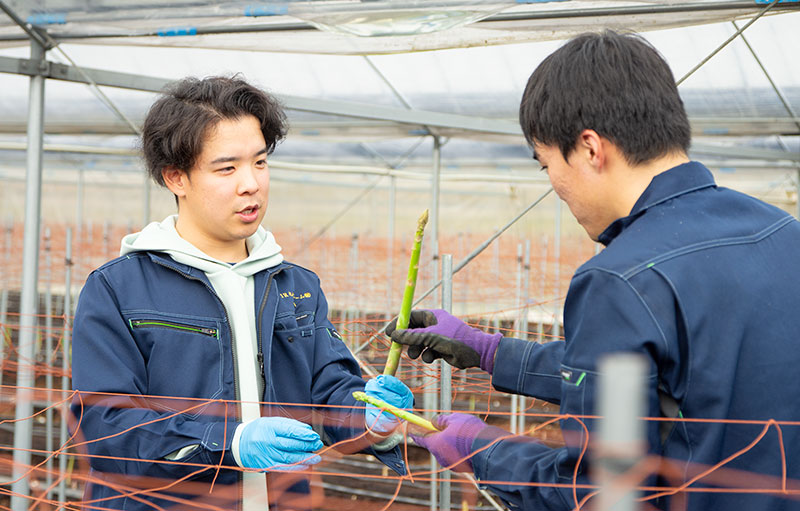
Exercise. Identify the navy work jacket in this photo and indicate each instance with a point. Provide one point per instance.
(154, 362)
(704, 282)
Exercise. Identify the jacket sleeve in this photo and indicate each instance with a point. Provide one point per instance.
(603, 314)
(529, 368)
(336, 376)
(124, 430)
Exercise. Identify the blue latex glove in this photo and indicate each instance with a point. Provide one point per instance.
(454, 440)
(272, 442)
(391, 390)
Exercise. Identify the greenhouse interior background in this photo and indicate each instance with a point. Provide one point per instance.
(394, 107)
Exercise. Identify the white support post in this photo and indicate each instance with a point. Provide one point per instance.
(445, 390)
(621, 439)
(66, 356)
(23, 425)
(430, 401)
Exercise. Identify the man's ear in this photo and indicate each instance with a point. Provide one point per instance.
(175, 179)
(592, 148)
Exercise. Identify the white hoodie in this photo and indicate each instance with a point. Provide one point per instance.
(235, 287)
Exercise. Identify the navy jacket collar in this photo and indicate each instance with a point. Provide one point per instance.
(676, 181)
(164, 259)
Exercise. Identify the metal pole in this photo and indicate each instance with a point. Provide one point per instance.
(433, 222)
(146, 200)
(430, 397)
(774, 85)
(542, 288)
(526, 277)
(79, 215)
(354, 290)
(66, 356)
(5, 330)
(495, 269)
(557, 273)
(464, 279)
(30, 273)
(390, 269)
(445, 392)
(340, 214)
(731, 38)
(106, 238)
(512, 419)
(48, 349)
(90, 239)
(621, 442)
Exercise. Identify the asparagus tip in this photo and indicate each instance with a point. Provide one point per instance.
(423, 220)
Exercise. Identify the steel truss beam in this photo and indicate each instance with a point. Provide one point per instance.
(739, 7)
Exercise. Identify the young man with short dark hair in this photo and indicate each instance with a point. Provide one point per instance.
(700, 280)
(200, 354)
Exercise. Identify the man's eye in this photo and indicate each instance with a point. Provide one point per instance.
(543, 169)
(225, 169)
(261, 163)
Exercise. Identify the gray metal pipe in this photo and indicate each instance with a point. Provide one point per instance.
(445, 382)
(146, 190)
(512, 419)
(621, 439)
(557, 273)
(30, 276)
(542, 288)
(390, 268)
(66, 356)
(430, 398)
(48, 356)
(433, 221)
(526, 292)
(6, 282)
(778, 91)
(723, 45)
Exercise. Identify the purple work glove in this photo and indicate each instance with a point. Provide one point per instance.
(454, 440)
(437, 334)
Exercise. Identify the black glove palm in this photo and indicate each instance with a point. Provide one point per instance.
(436, 334)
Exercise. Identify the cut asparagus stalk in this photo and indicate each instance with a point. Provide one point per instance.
(397, 412)
(408, 296)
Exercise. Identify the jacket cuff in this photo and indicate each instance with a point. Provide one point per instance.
(235, 443)
(528, 368)
(218, 438)
(509, 364)
(480, 459)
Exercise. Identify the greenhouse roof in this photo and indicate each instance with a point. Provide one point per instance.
(373, 77)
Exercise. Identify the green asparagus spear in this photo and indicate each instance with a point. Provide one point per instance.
(397, 412)
(408, 296)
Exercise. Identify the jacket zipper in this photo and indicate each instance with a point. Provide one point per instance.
(140, 323)
(238, 410)
(260, 355)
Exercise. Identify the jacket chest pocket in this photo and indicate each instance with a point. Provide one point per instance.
(183, 357)
(294, 326)
(293, 355)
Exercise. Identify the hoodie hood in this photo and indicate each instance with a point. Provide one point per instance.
(263, 251)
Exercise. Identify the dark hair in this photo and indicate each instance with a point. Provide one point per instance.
(615, 84)
(178, 122)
